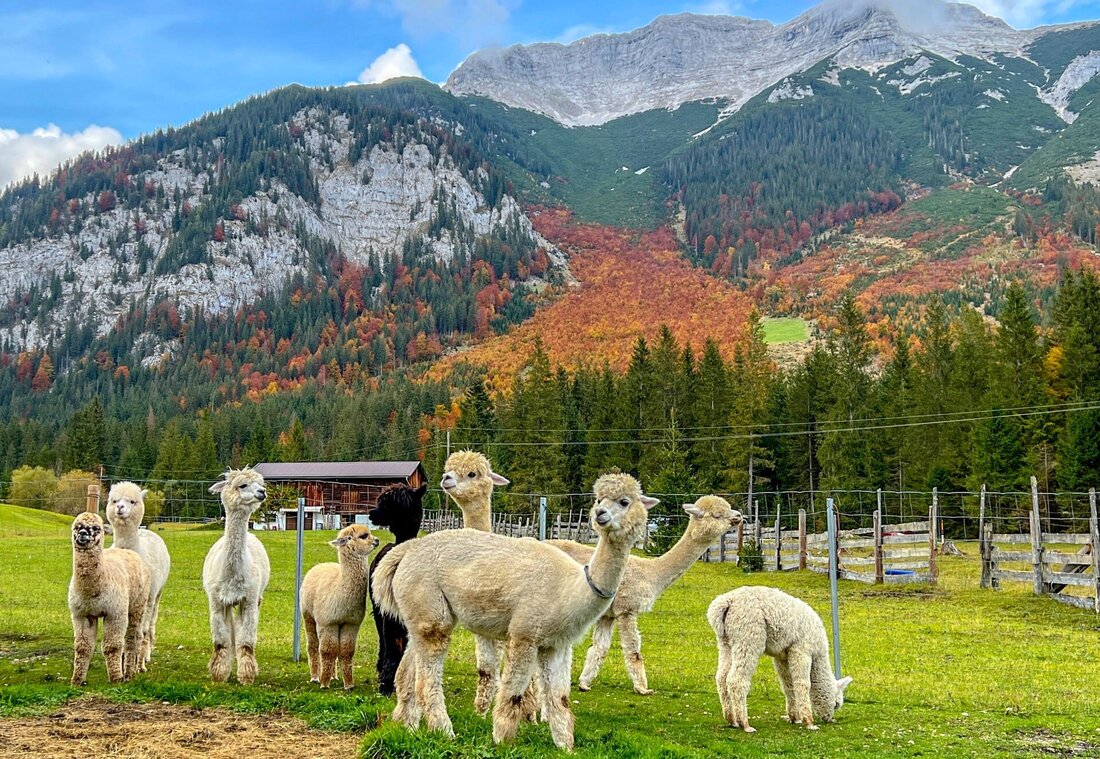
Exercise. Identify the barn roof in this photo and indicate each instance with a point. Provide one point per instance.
(338, 470)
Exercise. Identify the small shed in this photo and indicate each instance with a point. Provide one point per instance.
(338, 493)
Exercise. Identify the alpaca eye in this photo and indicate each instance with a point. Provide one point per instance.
(473, 474)
(624, 502)
(242, 487)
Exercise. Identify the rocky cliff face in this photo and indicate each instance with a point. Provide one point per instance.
(107, 265)
(684, 58)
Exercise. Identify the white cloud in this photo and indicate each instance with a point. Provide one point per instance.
(719, 8)
(1023, 14)
(397, 61)
(41, 151)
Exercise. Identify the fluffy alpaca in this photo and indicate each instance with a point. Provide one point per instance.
(399, 510)
(515, 589)
(643, 583)
(755, 620)
(235, 575)
(334, 602)
(468, 481)
(113, 584)
(125, 510)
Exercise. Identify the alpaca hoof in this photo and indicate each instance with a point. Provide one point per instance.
(349, 686)
(748, 729)
(644, 691)
(585, 687)
(77, 683)
(247, 671)
(787, 718)
(812, 727)
(315, 680)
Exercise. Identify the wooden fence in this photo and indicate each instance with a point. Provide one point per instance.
(569, 525)
(1068, 576)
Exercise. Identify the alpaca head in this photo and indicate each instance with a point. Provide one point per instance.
(87, 532)
(354, 540)
(399, 510)
(841, 686)
(621, 509)
(242, 490)
(827, 695)
(125, 504)
(709, 517)
(469, 478)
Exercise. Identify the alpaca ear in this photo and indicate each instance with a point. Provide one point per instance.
(694, 510)
(420, 491)
(144, 494)
(649, 501)
(843, 683)
(498, 479)
(218, 486)
(338, 542)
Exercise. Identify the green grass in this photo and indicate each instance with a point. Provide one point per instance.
(786, 330)
(951, 671)
(23, 522)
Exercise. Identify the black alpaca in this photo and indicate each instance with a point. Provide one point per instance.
(399, 511)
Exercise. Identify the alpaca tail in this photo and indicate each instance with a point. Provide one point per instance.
(718, 614)
(382, 582)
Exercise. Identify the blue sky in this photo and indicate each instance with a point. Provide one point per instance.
(124, 67)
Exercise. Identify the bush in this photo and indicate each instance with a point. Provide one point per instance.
(33, 487)
(154, 504)
(666, 534)
(750, 558)
(72, 492)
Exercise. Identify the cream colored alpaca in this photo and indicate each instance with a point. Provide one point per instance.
(334, 602)
(234, 576)
(516, 589)
(643, 583)
(114, 585)
(755, 620)
(469, 481)
(125, 511)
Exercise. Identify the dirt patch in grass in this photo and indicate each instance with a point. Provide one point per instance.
(95, 727)
(1053, 744)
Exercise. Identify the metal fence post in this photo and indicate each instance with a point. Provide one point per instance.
(300, 527)
(542, 518)
(832, 585)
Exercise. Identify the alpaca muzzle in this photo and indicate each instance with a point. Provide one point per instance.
(448, 482)
(603, 516)
(82, 539)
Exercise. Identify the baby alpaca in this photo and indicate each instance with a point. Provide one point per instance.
(113, 584)
(399, 511)
(235, 575)
(334, 602)
(755, 620)
(125, 510)
(643, 583)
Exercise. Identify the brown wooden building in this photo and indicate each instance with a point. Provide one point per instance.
(338, 493)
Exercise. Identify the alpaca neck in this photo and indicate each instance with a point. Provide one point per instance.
(608, 564)
(671, 565)
(477, 515)
(126, 535)
(353, 571)
(404, 534)
(88, 572)
(236, 535)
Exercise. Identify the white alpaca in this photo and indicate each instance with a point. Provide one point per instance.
(114, 585)
(754, 620)
(468, 481)
(516, 589)
(643, 583)
(125, 511)
(234, 576)
(334, 602)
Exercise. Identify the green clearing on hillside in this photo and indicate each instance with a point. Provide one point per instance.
(949, 221)
(19, 521)
(950, 671)
(785, 330)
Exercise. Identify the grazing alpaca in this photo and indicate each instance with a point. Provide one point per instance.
(399, 511)
(334, 602)
(113, 584)
(643, 583)
(755, 620)
(234, 576)
(469, 481)
(515, 589)
(125, 511)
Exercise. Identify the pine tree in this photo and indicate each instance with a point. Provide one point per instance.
(710, 413)
(753, 372)
(295, 445)
(86, 439)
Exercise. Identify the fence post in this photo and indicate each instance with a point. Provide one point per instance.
(91, 505)
(300, 527)
(801, 539)
(542, 521)
(983, 551)
(740, 539)
(933, 515)
(880, 572)
(778, 541)
(758, 530)
(1036, 539)
(1094, 529)
(834, 570)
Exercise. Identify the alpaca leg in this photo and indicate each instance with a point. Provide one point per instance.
(737, 689)
(84, 630)
(313, 650)
(631, 641)
(721, 678)
(221, 630)
(391, 644)
(522, 658)
(597, 652)
(114, 645)
(488, 654)
(245, 638)
(783, 672)
(408, 709)
(349, 634)
(432, 650)
(330, 649)
(798, 666)
(133, 647)
(150, 638)
(555, 666)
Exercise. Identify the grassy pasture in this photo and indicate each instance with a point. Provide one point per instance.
(779, 329)
(950, 671)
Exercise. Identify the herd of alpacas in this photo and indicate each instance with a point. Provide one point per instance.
(526, 602)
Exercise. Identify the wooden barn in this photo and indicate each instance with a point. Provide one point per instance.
(337, 493)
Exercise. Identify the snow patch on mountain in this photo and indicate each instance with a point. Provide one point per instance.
(1077, 74)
